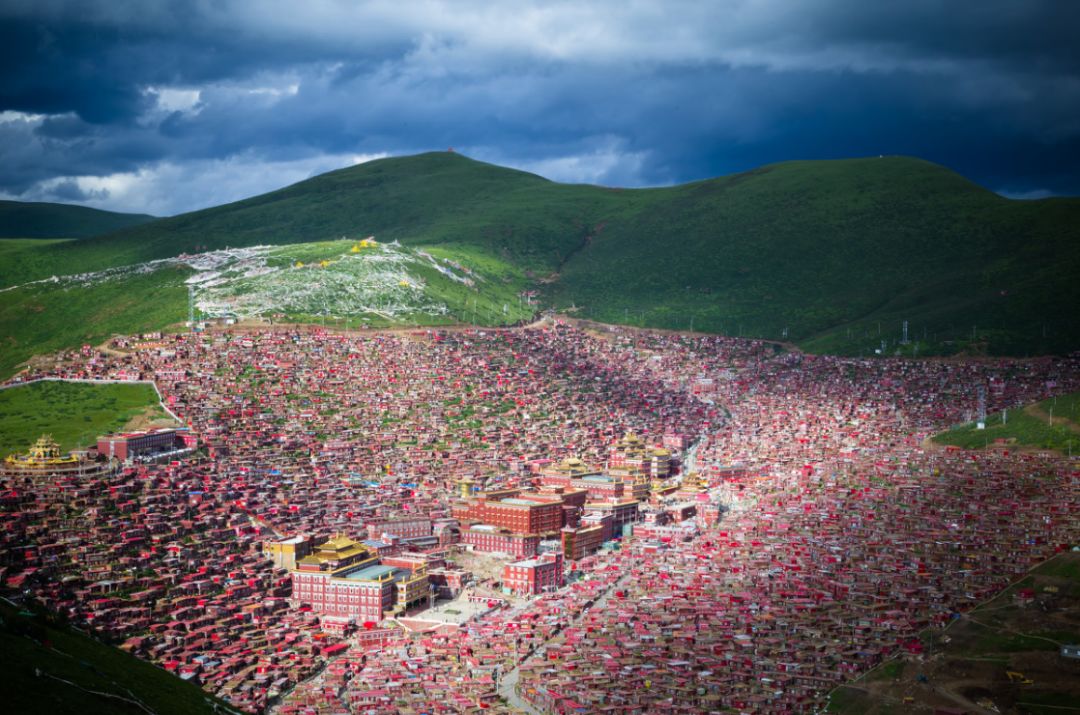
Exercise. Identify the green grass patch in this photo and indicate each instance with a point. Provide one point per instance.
(30, 644)
(11, 247)
(1062, 637)
(17, 251)
(1027, 427)
(849, 701)
(891, 670)
(1063, 406)
(73, 413)
(1061, 567)
(1001, 642)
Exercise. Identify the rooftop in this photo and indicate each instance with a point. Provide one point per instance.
(371, 573)
(518, 502)
(528, 563)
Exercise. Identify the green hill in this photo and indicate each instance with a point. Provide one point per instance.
(840, 253)
(831, 255)
(49, 668)
(427, 199)
(24, 219)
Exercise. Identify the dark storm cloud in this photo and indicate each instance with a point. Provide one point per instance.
(133, 102)
(68, 191)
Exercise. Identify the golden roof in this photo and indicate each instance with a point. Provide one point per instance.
(45, 448)
(693, 482)
(338, 548)
(338, 543)
(45, 452)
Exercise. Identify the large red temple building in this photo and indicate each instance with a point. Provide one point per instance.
(492, 539)
(146, 444)
(345, 583)
(514, 510)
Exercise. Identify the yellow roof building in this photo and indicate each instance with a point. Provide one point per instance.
(337, 553)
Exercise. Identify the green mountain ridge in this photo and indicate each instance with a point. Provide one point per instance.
(832, 255)
(23, 219)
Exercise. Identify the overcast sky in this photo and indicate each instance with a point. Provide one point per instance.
(165, 107)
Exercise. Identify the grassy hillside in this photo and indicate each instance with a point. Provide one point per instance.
(333, 282)
(23, 219)
(73, 413)
(1050, 424)
(11, 248)
(49, 668)
(44, 318)
(831, 255)
(828, 250)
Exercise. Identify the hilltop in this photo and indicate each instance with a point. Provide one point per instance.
(831, 255)
(24, 219)
(428, 199)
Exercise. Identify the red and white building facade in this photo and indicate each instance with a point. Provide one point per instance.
(344, 582)
(533, 576)
(491, 539)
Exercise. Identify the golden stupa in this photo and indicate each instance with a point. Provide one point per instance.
(44, 459)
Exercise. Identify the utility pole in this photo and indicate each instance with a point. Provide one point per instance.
(191, 306)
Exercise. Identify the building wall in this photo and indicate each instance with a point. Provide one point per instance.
(124, 447)
(579, 543)
(519, 518)
(622, 513)
(343, 598)
(285, 554)
(525, 578)
(600, 490)
(404, 528)
(517, 545)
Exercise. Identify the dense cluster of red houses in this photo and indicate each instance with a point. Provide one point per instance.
(817, 535)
